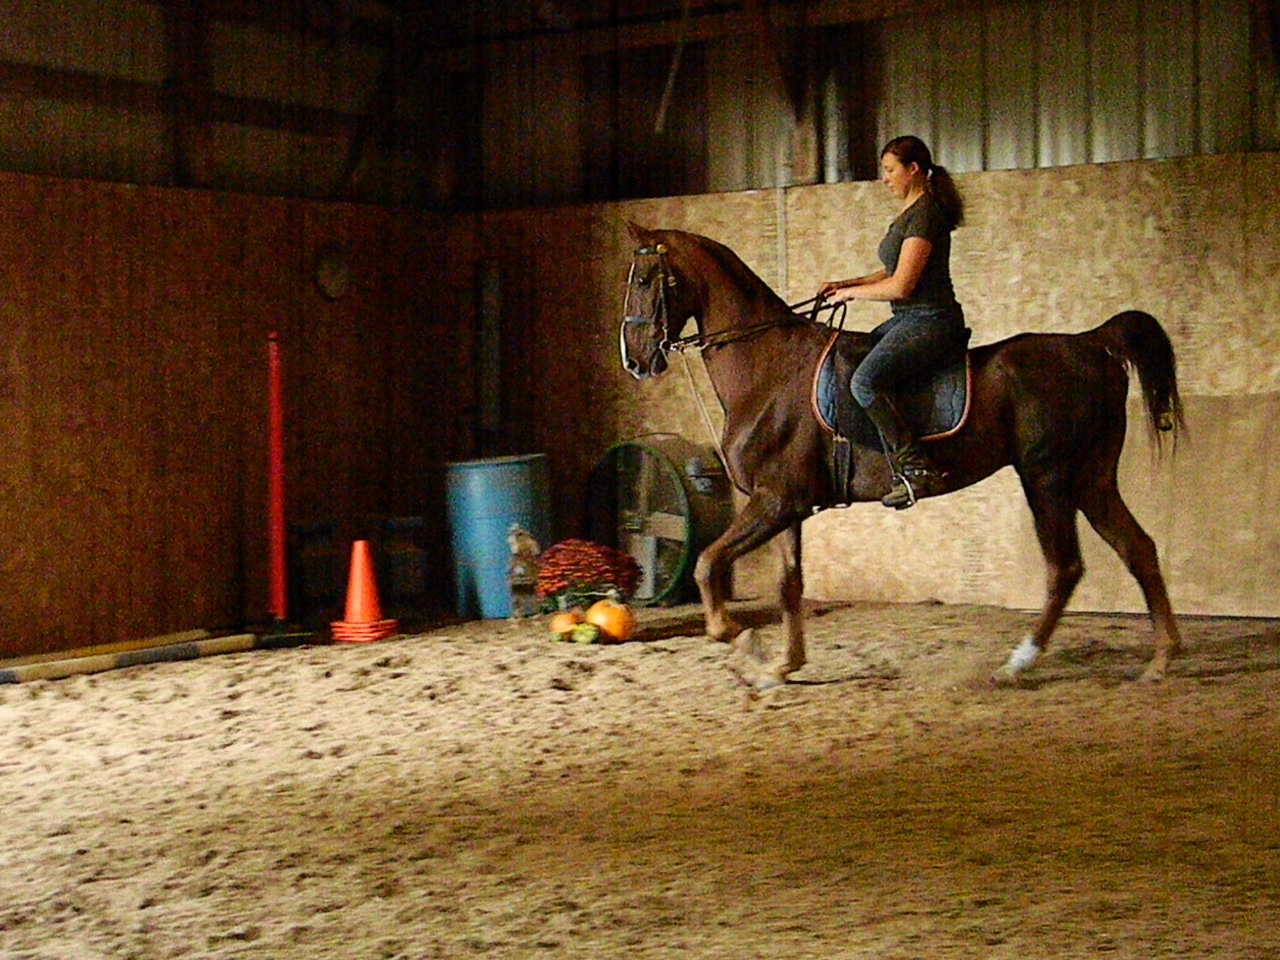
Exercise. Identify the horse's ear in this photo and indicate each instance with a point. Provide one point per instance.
(638, 233)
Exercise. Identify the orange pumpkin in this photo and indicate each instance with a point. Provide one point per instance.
(615, 620)
(562, 623)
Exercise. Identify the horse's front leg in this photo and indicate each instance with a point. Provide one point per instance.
(759, 521)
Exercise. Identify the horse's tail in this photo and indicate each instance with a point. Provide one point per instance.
(1138, 339)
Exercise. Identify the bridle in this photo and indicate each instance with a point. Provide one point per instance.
(662, 320)
(666, 280)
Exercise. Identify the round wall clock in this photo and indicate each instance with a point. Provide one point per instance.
(333, 272)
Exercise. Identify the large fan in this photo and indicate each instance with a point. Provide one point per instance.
(662, 499)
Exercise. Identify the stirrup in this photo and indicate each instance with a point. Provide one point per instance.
(912, 483)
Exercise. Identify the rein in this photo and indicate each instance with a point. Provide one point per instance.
(706, 341)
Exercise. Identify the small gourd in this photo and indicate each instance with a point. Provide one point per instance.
(565, 621)
(615, 620)
(585, 633)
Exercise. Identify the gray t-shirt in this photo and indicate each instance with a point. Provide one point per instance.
(924, 219)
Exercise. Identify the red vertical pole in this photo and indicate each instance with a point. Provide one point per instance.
(277, 605)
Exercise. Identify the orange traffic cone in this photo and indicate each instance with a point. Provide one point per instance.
(363, 622)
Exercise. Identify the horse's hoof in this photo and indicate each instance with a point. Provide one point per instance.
(1155, 673)
(749, 645)
(770, 681)
(1005, 677)
(749, 674)
(728, 633)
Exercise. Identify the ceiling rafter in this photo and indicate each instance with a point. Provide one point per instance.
(186, 30)
(409, 32)
(705, 23)
(33, 81)
(329, 20)
(74, 86)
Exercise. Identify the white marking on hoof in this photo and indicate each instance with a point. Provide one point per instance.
(1020, 660)
(770, 681)
(1154, 673)
(1024, 655)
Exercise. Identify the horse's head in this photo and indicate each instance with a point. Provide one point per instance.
(656, 306)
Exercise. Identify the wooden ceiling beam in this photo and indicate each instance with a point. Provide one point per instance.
(31, 81)
(324, 21)
(745, 21)
(113, 93)
(331, 21)
(287, 117)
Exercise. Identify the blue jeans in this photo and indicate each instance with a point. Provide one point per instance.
(909, 345)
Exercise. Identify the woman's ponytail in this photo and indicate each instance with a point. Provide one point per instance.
(943, 189)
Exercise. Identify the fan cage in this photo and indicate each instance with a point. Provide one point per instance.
(661, 499)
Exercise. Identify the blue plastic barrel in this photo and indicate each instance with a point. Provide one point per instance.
(485, 498)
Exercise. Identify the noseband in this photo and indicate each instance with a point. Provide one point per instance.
(665, 279)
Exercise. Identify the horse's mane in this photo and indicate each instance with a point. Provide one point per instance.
(733, 267)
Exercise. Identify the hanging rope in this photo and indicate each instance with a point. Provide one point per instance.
(702, 409)
(660, 121)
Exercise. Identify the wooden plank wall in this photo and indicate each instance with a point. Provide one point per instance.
(133, 332)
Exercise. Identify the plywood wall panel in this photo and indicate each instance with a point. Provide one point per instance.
(1063, 250)
(564, 390)
(26, 603)
(124, 531)
(1059, 250)
(196, 380)
(62, 458)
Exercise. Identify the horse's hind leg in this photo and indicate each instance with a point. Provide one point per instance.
(1107, 512)
(1054, 513)
(792, 589)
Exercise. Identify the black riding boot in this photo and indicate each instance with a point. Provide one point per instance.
(913, 475)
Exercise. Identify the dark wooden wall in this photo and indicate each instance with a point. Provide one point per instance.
(133, 412)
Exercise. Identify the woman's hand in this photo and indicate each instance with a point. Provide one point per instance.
(829, 289)
(838, 291)
(879, 286)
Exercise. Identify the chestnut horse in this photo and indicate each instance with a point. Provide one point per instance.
(1050, 405)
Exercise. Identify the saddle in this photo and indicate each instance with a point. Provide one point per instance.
(934, 406)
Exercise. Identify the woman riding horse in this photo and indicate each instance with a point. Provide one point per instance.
(927, 326)
(1051, 405)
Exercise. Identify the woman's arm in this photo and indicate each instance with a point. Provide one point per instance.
(831, 286)
(911, 261)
